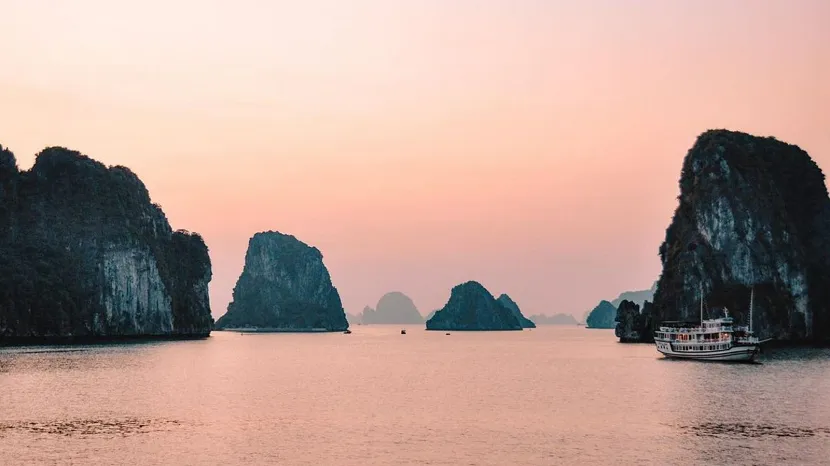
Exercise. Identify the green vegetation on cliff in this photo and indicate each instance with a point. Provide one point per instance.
(85, 253)
(472, 307)
(753, 213)
(284, 285)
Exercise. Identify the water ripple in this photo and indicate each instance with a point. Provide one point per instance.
(716, 429)
(90, 427)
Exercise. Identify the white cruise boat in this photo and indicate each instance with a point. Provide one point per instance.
(709, 340)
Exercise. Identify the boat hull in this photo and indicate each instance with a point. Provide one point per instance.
(742, 353)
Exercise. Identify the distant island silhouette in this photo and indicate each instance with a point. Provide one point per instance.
(392, 308)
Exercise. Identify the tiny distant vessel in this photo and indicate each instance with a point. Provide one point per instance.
(403, 331)
(347, 332)
(709, 340)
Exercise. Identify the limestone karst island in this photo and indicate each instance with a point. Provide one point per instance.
(85, 254)
(284, 287)
(752, 227)
(472, 307)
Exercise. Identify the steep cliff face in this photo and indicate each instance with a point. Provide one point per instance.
(85, 253)
(753, 213)
(284, 285)
(602, 316)
(634, 326)
(393, 308)
(472, 307)
(508, 302)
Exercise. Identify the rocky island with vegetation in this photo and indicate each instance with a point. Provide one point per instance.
(472, 307)
(753, 213)
(85, 254)
(284, 286)
(602, 316)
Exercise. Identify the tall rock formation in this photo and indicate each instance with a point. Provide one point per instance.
(753, 213)
(84, 253)
(602, 316)
(284, 285)
(393, 308)
(634, 326)
(472, 307)
(507, 302)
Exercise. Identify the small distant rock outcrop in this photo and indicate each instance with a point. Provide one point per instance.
(284, 286)
(507, 302)
(393, 308)
(753, 213)
(634, 326)
(85, 254)
(556, 319)
(602, 316)
(472, 307)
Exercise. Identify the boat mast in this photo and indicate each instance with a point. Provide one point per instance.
(701, 303)
(751, 305)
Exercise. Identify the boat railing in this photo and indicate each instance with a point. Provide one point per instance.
(724, 328)
(698, 342)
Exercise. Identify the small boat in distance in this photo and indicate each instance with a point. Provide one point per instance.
(403, 331)
(709, 340)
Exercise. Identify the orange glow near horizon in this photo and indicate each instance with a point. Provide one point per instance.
(532, 145)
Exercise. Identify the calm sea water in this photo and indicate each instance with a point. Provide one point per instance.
(548, 396)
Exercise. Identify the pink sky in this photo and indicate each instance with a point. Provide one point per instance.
(532, 145)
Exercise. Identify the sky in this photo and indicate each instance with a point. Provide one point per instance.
(531, 145)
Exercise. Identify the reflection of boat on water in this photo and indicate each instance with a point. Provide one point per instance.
(709, 340)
